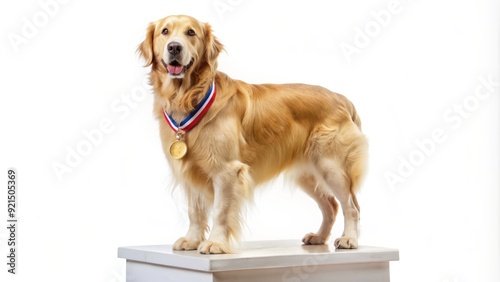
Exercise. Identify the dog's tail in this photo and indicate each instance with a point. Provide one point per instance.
(354, 115)
(357, 155)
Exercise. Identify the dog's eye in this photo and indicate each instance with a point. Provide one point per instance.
(191, 32)
(164, 31)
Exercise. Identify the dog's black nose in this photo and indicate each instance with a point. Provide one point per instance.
(174, 48)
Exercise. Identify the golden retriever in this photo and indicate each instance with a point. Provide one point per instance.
(249, 135)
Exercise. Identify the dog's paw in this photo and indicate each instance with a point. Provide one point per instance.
(313, 239)
(213, 247)
(183, 244)
(346, 243)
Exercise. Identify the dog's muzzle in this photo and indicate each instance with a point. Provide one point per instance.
(175, 58)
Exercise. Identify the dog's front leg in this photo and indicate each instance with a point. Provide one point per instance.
(198, 208)
(232, 186)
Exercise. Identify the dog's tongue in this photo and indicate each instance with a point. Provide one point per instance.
(175, 70)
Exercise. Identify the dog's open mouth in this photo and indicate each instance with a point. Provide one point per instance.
(175, 68)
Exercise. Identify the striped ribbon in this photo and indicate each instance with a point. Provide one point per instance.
(196, 115)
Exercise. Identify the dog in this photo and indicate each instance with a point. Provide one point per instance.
(246, 134)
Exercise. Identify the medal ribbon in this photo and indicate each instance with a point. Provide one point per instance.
(196, 115)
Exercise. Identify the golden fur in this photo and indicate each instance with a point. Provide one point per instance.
(251, 134)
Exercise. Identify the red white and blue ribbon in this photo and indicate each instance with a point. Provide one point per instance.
(196, 115)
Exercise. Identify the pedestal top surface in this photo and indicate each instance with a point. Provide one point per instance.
(257, 254)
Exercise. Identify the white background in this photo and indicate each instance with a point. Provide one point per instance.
(77, 68)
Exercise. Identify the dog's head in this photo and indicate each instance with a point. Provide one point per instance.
(180, 44)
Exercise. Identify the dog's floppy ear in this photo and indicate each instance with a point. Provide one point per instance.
(213, 48)
(145, 49)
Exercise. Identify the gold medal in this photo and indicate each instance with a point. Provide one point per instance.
(178, 149)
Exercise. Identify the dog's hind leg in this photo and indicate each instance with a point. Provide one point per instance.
(338, 184)
(326, 203)
(339, 156)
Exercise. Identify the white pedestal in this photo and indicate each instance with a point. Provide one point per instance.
(287, 261)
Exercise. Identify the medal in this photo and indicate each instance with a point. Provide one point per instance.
(178, 148)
